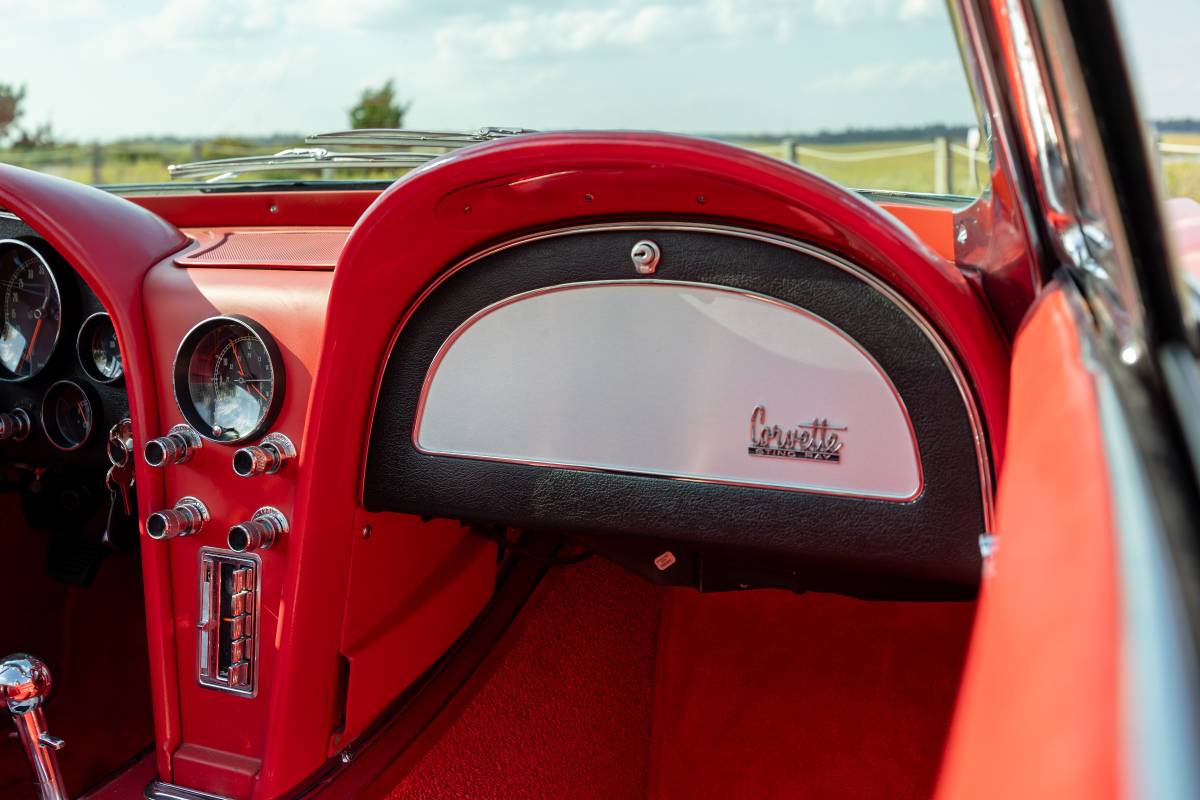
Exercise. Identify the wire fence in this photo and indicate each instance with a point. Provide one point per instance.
(940, 166)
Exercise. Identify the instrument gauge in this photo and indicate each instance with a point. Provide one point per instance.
(98, 351)
(228, 378)
(68, 415)
(30, 311)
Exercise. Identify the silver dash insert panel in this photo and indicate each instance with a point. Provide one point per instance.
(679, 380)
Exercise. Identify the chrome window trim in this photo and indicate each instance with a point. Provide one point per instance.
(970, 403)
(985, 218)
(1068, 172)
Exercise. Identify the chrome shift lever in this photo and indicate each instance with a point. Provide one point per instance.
(24, 686)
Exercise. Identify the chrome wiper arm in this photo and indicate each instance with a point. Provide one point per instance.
(297, 158)
(400, 136)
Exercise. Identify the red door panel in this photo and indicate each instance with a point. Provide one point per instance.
(1038, 714)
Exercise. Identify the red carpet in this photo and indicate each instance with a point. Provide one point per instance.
(768, 694)
(567, 711)
(760, 694)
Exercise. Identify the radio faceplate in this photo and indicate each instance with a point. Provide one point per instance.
(228, 621)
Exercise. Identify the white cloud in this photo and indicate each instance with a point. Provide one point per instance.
(525, 31)
(21, 12)
(210, 66)
(191, 23)
(889, 75)
(844, 12)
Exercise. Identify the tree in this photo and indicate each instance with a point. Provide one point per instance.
(41, 136)
(11, 97)
(378, 108)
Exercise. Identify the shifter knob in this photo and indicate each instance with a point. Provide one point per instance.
(24, 682)
(15, 425)
(25, 685)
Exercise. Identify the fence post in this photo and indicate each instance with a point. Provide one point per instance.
(974, 139)
(942, 178)
(97, 162)
(789, 150)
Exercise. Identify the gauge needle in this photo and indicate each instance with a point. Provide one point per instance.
(237, 359)
(32, 341)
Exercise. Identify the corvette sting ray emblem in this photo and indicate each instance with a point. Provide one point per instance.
(814, 441)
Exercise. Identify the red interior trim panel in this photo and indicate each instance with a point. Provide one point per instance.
(1039, 712)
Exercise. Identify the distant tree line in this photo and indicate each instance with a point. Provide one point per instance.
(914, 133)
(1178, 125)
(856, 134)
(381, 108)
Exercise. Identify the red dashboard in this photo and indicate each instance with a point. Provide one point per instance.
(357, 604)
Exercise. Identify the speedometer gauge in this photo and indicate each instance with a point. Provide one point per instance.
(30, 311)
(228, 378)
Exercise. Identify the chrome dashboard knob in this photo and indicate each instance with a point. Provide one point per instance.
(260, 532)
(15, 425)
(24, 686)
(265, 458)
(174, 448)
(187, 517)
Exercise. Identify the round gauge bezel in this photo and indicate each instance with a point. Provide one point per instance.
(93, 405)
(61, 312)
(182, 366)
(83, 350)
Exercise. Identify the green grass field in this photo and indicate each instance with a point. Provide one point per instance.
(914, 172)
(900, 173)
(1182, 178)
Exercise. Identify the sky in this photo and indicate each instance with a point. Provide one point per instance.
(101, 69)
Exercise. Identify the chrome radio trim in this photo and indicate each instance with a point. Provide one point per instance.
(207, 554)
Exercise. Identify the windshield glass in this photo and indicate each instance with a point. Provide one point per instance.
(1160, 36)
(870, 93)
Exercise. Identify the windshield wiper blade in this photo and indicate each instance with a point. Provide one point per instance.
(400, 136)
(302, 158)
(296, 158)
